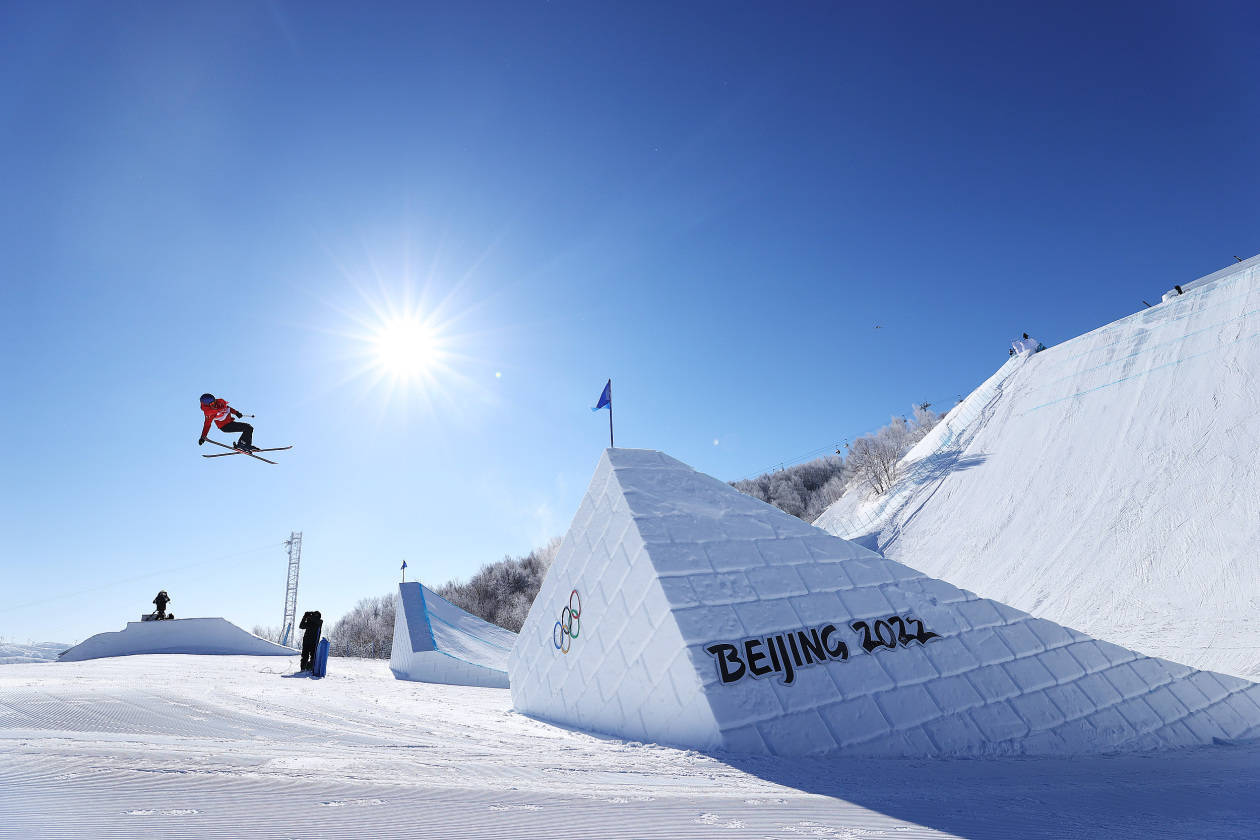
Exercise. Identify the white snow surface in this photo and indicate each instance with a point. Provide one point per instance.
(240, 747)
(216, 636)
(681, 584)
(13, 653)
(436, 641)
(1108, 483)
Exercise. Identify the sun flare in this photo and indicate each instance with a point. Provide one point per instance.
(407, 348)
(412, 348)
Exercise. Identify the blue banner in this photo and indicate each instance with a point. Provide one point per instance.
(605, 399)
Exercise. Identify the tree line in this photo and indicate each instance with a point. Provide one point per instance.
(500, 593)
(869, 465)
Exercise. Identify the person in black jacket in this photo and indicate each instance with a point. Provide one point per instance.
(312, 623)
(160, 602)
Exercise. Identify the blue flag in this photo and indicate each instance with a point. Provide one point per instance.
(605, 399)
(404, 565)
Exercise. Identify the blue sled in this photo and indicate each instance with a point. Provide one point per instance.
(321, 659)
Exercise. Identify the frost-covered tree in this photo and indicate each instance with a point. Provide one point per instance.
(367, 630)
(803, 490)
(806, 490)
(925, 419)
(270, 633)
(876, 458)
(503, 592)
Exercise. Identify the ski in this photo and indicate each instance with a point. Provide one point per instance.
(250, 453)
(238, 452)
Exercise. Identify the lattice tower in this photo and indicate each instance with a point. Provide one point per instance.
(294, 543)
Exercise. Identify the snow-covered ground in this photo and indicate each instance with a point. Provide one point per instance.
(212, 636)
(228, 746)
(12, 653)
(1107, 484)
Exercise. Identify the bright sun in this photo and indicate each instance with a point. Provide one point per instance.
(409, 344)
(407, 348)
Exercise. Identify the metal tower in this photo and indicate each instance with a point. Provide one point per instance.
(294, 542)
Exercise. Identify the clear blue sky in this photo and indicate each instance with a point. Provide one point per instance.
(712, 203)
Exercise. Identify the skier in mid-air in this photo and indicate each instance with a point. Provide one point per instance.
(221, 413)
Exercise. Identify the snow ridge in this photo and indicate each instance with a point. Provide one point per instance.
(1110, 485)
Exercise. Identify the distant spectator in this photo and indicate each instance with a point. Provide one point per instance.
(160, 602)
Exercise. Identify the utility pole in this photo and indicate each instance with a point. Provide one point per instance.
(294, 544)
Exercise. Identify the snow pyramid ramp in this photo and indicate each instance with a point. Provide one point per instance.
(682, 612)
(215, 636)
(1107, 483)
(435, 641)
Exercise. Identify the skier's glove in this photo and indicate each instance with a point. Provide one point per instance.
(236, 413)
(200, 441)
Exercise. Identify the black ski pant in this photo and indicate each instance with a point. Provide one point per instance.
(246, 430)
(309, 643)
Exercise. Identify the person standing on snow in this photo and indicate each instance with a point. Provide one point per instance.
(312, 622)
(160, 602)
(221, 413)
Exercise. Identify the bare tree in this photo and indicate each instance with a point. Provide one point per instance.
(367, 630)
(503, 592)
(925, 419)
(801, 489)
(876, 458)
(806, 490)
(270, 633)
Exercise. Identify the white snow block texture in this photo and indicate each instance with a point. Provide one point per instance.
(680, 611)
(214, 636)
(436, 641)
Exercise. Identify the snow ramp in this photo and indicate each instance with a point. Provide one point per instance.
(680, 611)
(208, 636)
(1107, 483)
(436, 641)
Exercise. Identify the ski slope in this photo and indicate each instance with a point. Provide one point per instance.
(436, 641)
(1108, 483)
(239, 747)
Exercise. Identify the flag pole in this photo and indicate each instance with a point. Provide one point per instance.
(605, 400)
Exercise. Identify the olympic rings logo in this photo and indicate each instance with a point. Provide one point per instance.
(567, 628)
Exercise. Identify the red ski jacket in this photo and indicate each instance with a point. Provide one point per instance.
(219, 412)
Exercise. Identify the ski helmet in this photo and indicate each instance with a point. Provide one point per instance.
(206, 399)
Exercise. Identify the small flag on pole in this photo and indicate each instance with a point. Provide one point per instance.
(605, 400)
(404, 571)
